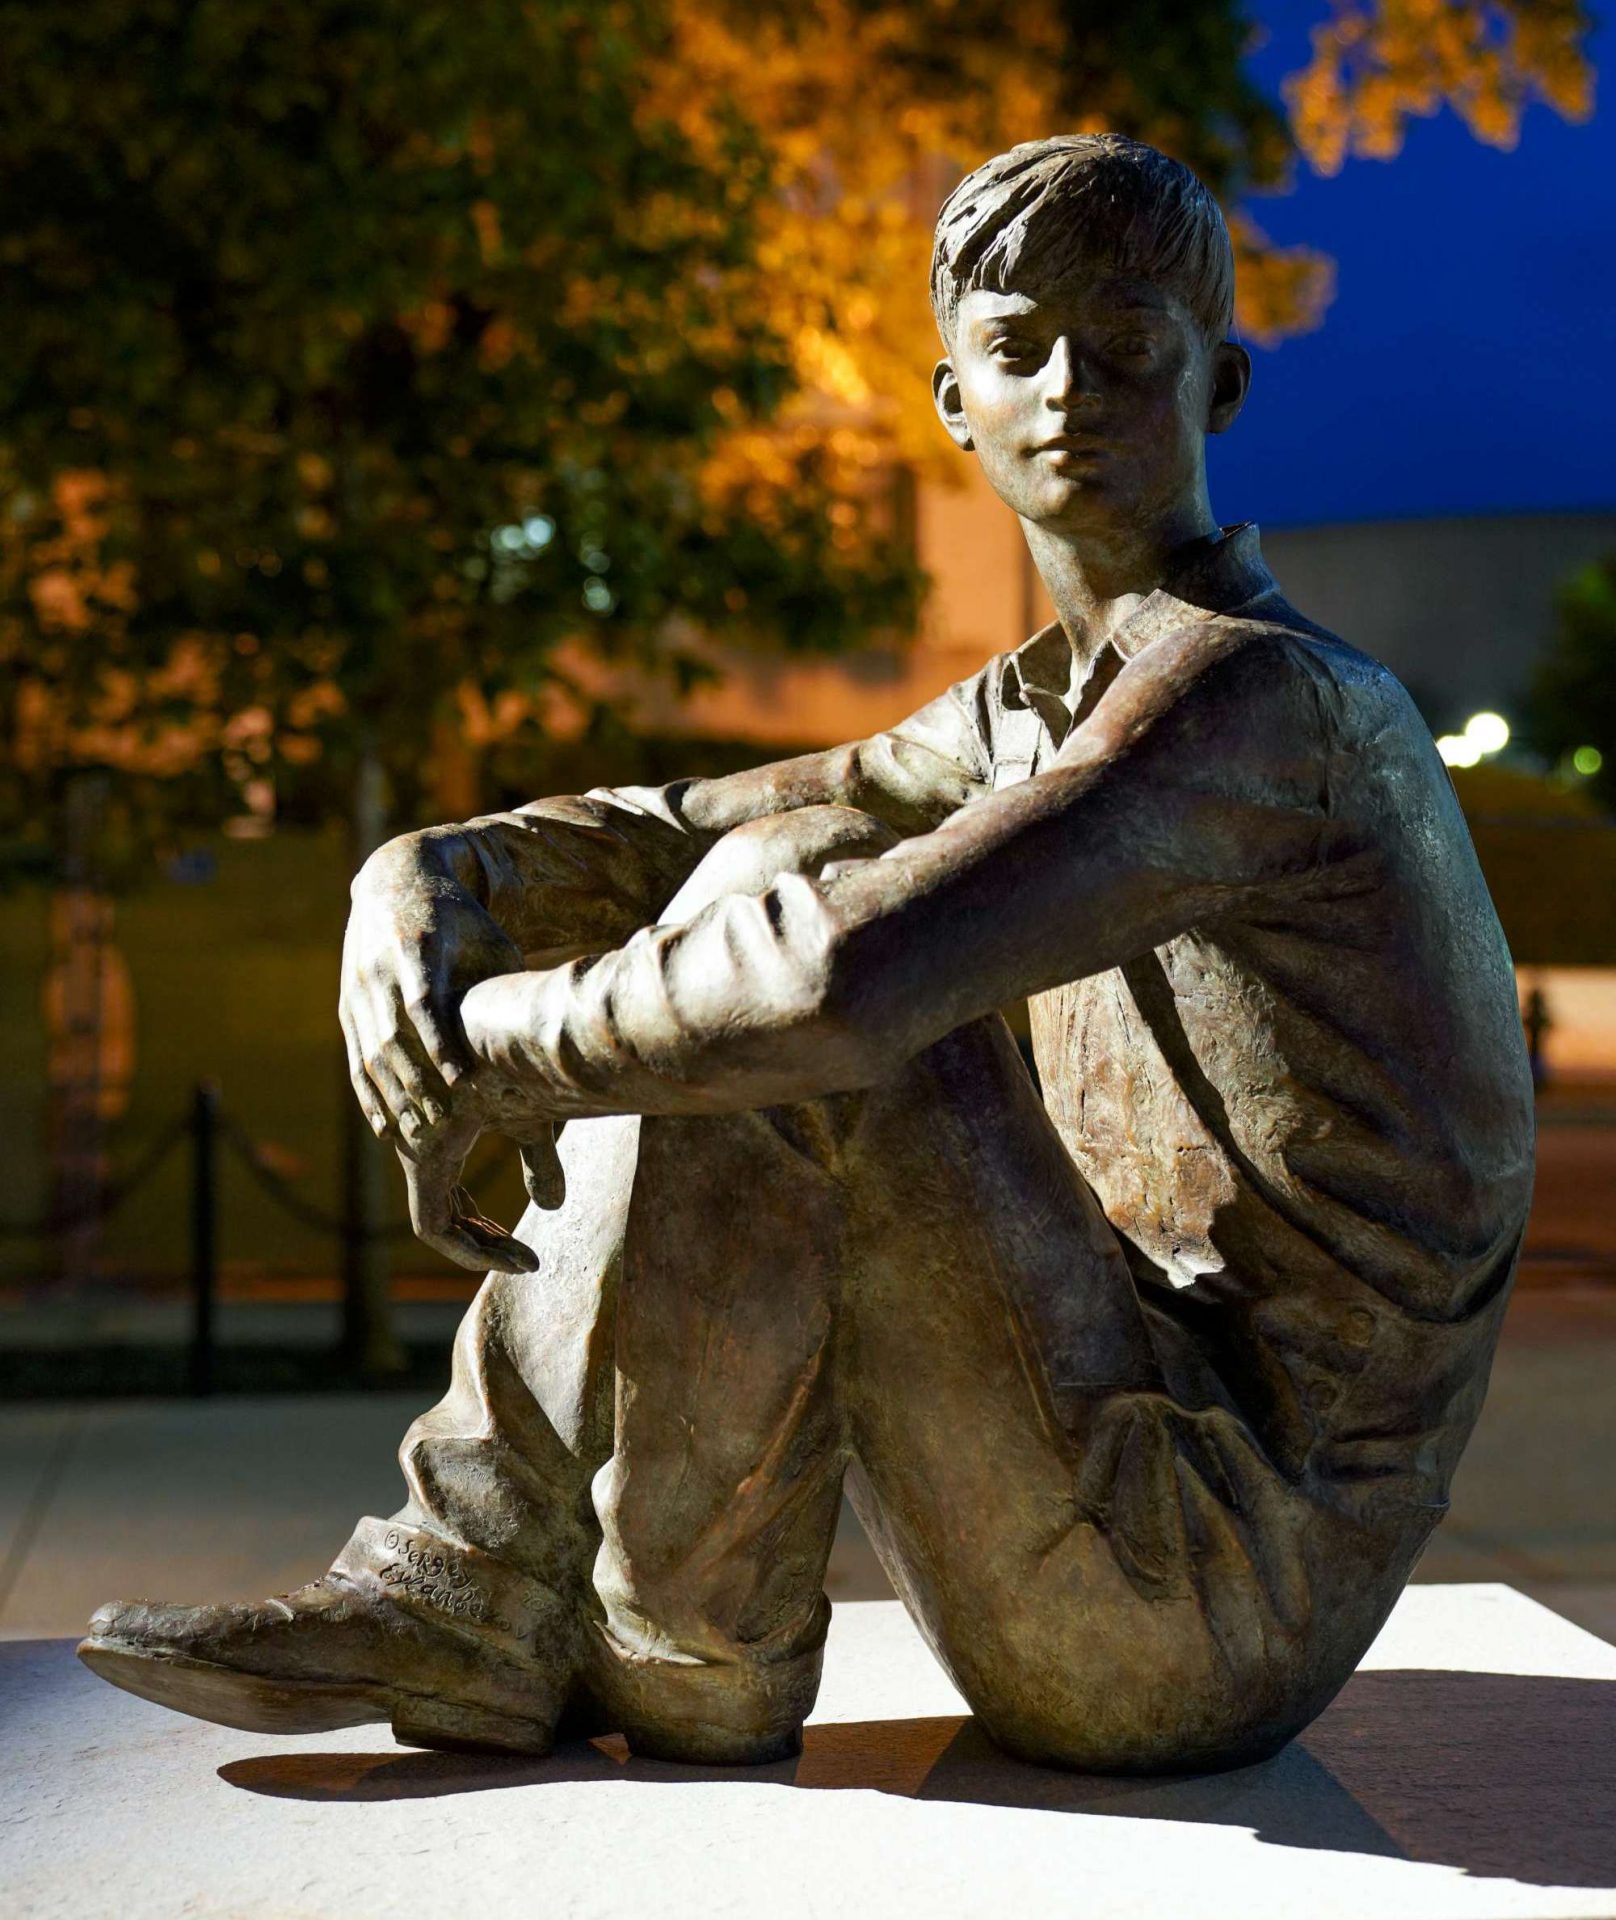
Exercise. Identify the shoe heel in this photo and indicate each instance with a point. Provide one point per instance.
(454, 1728)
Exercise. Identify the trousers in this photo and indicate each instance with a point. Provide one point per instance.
(633, 1482)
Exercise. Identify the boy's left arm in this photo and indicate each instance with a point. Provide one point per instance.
(1196, 787)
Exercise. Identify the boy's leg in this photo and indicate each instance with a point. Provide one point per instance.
(1075, 1510)
(461, 1619)
(498, 1529)
(747, 1241)
(674, 1352)
(674, 1348)
(719, 1500)
(470, 1615)
(1090, 1534)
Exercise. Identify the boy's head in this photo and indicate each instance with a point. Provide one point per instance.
(1084, 289)
(1027, 219)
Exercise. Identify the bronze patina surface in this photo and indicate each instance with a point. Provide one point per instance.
(1150, 1385)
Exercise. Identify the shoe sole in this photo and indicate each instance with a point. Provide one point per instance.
(229, 1698)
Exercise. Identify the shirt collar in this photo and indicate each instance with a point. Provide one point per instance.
(1211, 576)
(1217, 575)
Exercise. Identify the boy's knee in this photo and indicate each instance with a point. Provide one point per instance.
(750, 857)
(1112, 1716)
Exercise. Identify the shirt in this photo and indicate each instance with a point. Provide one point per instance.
(1272, 1007)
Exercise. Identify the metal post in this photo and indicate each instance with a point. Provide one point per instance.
(204, 1232)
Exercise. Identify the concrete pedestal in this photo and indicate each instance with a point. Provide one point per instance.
(1469, 1769)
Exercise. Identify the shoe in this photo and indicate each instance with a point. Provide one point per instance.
(439, 1641)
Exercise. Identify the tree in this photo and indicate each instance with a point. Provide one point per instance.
(1572, 703)
(365, 353)
(364, 356)
(1375, 65)
(870, 112)
(372, 368)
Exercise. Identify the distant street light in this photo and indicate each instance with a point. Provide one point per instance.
(1484, 733)
(1489, 731)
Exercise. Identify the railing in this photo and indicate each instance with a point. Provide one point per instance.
(207, 1126)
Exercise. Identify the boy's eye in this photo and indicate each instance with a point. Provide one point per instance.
(1015, 349)
(1133, 346)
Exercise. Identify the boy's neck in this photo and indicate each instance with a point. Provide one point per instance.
(1096, 584)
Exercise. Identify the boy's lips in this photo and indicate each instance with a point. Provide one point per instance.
(1072, 446)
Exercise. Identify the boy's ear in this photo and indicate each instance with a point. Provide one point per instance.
(1231, 381)
(945, 393)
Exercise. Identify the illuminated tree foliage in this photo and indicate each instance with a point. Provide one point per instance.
(371, 368)
(1376, 65)
(361, 356)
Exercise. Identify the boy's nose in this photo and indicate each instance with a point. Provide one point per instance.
(1066, 374)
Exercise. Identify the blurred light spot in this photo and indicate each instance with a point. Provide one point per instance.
(524, 539)
(1488, 732)
(598, 597)
(1587, 760)
(1458, 750)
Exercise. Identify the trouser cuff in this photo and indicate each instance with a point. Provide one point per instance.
(740, 1711)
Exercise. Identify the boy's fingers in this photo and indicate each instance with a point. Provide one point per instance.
(404, 1116)
(542, 1173)
(404, 1056)
(445, 1218)
(438, 1032)
(370, 1102)
(497, 1248)
(430, 1186)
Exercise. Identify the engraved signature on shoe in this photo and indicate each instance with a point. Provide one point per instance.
(439, 1579)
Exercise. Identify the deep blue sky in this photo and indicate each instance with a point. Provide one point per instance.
(1468, 363)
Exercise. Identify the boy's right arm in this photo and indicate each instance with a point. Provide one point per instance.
(438, 911)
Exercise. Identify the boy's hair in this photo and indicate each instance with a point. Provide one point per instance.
(1028, 217)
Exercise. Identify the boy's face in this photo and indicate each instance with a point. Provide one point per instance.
(1088, 401)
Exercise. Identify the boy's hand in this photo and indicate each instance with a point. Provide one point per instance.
(416, 941)
(444, 1215)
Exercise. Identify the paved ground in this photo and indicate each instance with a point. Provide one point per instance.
(1572, 1232)
(1464, 1773)
(237, 1498)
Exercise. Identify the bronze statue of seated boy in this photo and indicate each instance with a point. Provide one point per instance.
(1148, 1386)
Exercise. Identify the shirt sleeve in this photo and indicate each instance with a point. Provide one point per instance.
(1198, 786)
(582, 873)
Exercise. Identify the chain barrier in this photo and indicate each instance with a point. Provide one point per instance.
(279, 1189)
(247, 1152)
(207, 1127)
(110, 1198)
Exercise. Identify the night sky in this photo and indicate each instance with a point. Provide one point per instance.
(1468, 363)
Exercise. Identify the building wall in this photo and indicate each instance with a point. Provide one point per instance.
(985, 599)
(1456, 608)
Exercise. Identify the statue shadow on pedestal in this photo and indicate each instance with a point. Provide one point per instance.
(1502, 1775)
